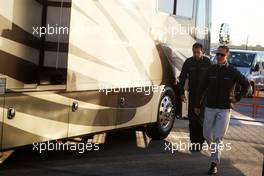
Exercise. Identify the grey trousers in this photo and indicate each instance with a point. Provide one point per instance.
(216, 122)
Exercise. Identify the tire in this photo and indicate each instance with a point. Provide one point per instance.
(252, 90)
(166, 116)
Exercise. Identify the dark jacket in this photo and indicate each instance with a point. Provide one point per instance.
(220, 82)
(194, 70)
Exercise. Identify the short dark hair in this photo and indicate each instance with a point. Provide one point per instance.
(198, 45)
(224, 47)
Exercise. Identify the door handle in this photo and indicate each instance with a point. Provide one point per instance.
(75, 106)
(11, 113)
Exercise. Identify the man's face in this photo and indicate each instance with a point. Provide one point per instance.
(221, 55)
(197, 53)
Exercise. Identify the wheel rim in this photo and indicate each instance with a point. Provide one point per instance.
(166, 112)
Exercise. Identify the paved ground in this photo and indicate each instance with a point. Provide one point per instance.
(132, 153)
(245, 108)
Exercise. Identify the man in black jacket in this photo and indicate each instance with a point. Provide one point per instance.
(219, 84)
(193, 69)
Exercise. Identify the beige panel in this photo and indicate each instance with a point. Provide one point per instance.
(143, 115)
(99, 73)
(7, 9)
(113, 47)
(39, 117)
(19, 50)
(15, 85)
(17, 11)
(124, 53)
(137, 101)
(96, 112)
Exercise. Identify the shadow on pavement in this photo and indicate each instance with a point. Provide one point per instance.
(121, 154)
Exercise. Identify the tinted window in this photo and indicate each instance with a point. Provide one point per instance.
(185, 8)
(239, 59)
(27, 56)
(54, 53)
(166, 6)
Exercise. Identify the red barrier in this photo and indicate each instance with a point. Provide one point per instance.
(255, 106)
(258, 106)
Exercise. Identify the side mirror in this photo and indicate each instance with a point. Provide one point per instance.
(256, 68)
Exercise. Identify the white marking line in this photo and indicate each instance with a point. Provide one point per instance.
(246, 120)
(179, 135)
(243, 122)
(176, 137)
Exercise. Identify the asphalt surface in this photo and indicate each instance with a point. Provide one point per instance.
(249, 105)
(132, 153)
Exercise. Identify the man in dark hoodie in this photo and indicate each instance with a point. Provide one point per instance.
(219, 83)
(193, 70)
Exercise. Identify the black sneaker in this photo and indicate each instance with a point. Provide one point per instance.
(213, 169)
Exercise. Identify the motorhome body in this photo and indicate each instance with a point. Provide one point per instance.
(50, 83)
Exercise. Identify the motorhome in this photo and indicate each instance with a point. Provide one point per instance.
(58, 58)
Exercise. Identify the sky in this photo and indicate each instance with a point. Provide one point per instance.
(245, 17)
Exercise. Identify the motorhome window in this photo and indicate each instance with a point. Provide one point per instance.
(166, 6)
(239, 59)
(185, 8)
(54, 70)
(54, 50)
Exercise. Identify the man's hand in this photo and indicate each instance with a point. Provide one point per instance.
(233, 100)
(183, 98)
(197, 111)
